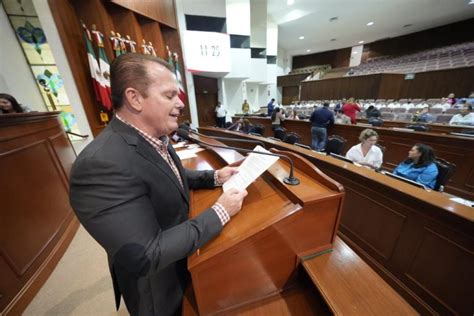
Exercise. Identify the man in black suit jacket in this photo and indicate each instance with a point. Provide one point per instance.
(131, 193)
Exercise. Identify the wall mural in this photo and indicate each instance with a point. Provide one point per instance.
(24, 20)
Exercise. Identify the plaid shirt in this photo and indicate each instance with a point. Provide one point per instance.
(161, 146)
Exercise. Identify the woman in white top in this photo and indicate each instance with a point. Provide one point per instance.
(366, 153)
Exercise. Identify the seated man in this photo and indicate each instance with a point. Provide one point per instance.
(466, 117)
(425, 116)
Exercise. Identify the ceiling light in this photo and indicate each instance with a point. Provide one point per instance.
(370, 23)
(333, 39)
(308, 50)
(408, 25)
(361, 42)
(290, 2)
(301, 37)
(335, 18)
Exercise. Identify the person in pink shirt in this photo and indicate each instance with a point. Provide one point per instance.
(350, 109)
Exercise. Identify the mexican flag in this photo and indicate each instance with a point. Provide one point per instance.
(93, 65)
(182, 93)
(104, 78)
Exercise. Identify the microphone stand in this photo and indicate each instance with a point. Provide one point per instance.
(290, 180)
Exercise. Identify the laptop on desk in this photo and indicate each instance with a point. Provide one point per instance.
(416, 184)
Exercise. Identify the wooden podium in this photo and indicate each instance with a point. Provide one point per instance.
(258, 252)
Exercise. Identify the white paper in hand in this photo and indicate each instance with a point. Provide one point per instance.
(252, 167)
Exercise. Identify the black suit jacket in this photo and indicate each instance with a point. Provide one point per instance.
(128, 198)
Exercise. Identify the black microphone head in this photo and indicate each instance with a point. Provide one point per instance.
(184, 134)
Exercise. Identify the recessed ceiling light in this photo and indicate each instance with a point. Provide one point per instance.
(290, 2)
(301, 37)
(335, 18)
(361, 42)
(370, 23)
(408, 25)
(308, 50)
(333, 39)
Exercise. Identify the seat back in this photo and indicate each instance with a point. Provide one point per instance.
(388, 116)
(453, 111)
(292, 138)
(258, 129)
(280, 133)
(399, 110)
(413, 110)
(436, 110)
(407, 117)
(445, 172)
(335, 144)
(444, 118)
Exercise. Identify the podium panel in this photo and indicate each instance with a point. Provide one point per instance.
(257, 253)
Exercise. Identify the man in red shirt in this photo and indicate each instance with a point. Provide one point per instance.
(350, 109)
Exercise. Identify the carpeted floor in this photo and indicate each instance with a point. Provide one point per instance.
(80, 284)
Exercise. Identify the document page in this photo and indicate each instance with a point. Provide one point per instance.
(252, 167)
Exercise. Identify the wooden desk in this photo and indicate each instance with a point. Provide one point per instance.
(266, 240)
(434, 127)
(420, 242)
(455, 149)
(36, 220)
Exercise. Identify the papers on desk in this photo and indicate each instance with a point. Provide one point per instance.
(462, 201)
(189, 152)
(252, 167)
(179, 145)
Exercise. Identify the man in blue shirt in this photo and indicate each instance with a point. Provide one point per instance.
(321, 119)
(270, 107)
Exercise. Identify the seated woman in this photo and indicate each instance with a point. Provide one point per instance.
(9, 104)
(419, 166)
(367, 153)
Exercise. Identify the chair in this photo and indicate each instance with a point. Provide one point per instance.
(388, 116)
(335, 144)
(399, 110)
(258, 129)
(280, 133)
(292, 138)
(453, 111)
(384, 109)
(419, 127)
(436, 110)
(413, 110)
(444, 118)
(445, 172)
(407, 117)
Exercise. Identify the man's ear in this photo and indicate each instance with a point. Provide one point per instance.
(134, 99)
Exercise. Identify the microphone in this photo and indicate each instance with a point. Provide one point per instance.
(290, 180)
(230, 138)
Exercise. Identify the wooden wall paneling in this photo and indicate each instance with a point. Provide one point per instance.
(436, 37)
(290, 94)
(437, 84)
(390, 86)
(125, 23)
(172, 39)
(152, 33)
(336, 58)
(162, 11)
(290, 80)
(70, 31)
